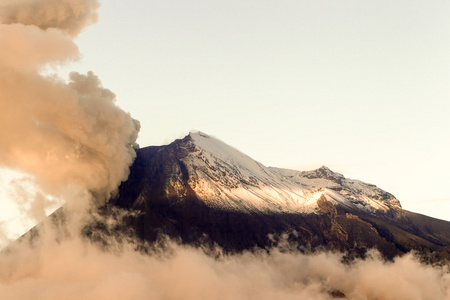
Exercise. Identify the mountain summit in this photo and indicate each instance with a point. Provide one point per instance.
(226, 179)
(200, 189)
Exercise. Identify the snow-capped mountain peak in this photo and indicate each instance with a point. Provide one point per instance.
(217, 150)
(225, 178)
(200, 191)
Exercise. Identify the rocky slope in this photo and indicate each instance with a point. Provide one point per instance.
(200, 190)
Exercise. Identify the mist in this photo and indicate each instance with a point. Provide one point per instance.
(74, 268)
(75, 144)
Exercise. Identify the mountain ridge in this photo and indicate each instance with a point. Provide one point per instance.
(192, 191)
(217, 169)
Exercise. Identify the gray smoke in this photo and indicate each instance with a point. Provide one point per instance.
(70, 16)
(66, 135)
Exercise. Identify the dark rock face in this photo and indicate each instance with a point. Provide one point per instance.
(159, 186)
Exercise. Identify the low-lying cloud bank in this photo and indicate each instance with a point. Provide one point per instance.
(74, 268)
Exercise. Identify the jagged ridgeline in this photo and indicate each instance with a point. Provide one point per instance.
(202, 191)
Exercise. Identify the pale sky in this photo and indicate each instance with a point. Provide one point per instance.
(359, 86)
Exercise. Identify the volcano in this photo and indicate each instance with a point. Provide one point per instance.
(200, 191)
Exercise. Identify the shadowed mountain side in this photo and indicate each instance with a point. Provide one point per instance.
(160, 187)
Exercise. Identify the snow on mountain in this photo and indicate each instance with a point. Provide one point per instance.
(225, 178)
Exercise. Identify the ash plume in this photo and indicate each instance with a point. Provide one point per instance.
(63, 134)
(69, 16)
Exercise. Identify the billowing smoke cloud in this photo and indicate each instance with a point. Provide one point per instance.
(63, 134)
(70, 16)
